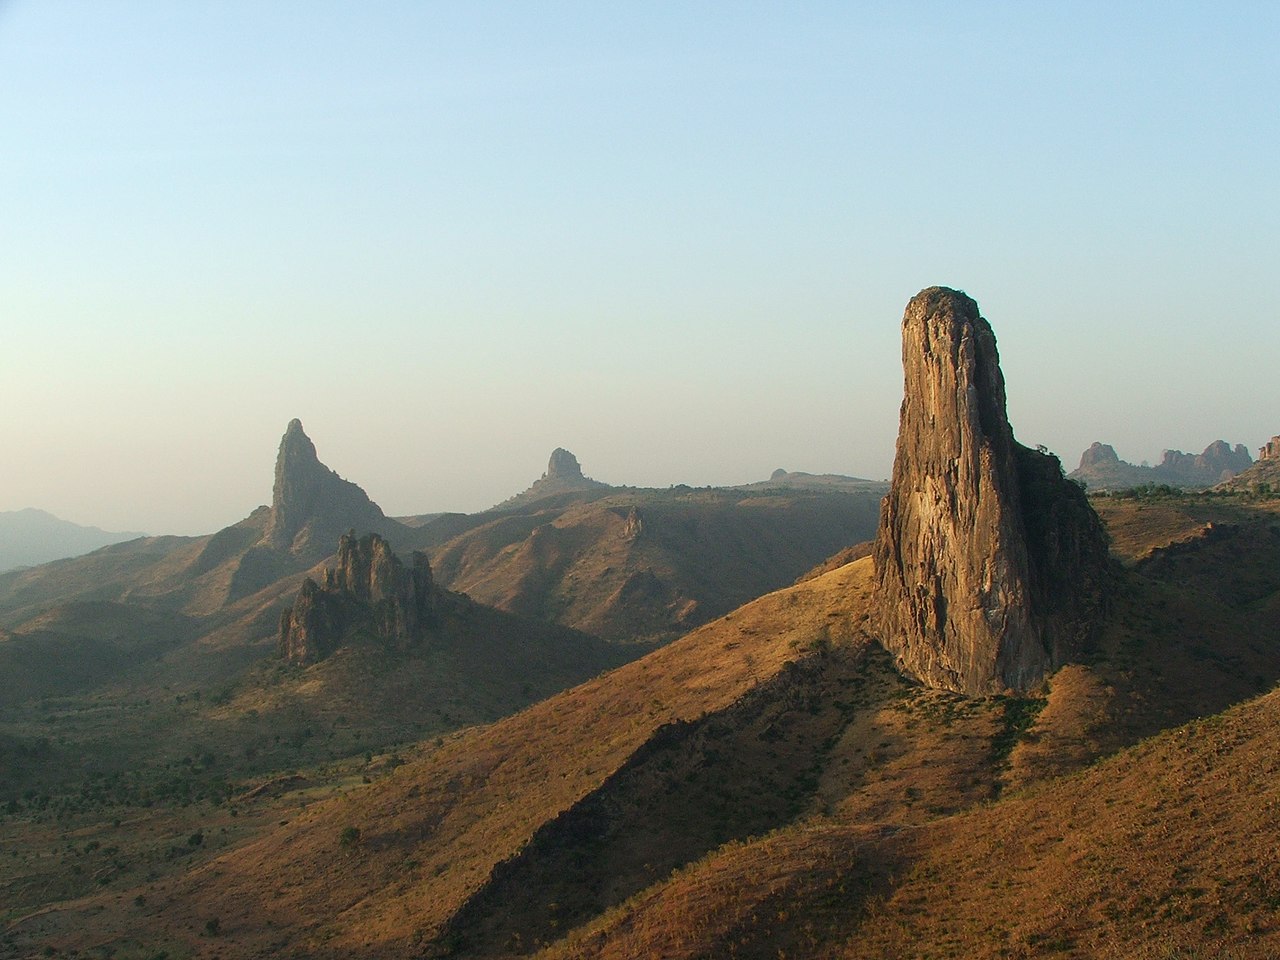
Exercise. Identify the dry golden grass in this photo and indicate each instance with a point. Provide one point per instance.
(649, 563)
(769, 787)
(1136, 527)
(432, 832)
(1166, 850)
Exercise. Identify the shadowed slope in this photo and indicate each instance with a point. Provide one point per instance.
(432, 835)
(1164, 850)
(650, 563)
(870, 792)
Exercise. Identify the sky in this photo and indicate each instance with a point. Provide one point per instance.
(674, 238)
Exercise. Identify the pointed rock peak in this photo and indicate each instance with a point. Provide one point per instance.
(297, 454)
(991, 568)
(563, 466)
(307, 494)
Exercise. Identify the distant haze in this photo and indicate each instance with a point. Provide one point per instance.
(30, 537)
(676, 240)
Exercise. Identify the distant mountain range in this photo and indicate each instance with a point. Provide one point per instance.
(30, 537)
(1102, 469)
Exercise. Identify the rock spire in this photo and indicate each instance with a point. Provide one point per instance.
(991, 568)
(563, 466)
(310, 504)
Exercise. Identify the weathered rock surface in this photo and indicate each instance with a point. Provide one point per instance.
(1218, 462)
(1101, 469)
(310, 504)
(991, 568)
(1270, 450)
(369, 593)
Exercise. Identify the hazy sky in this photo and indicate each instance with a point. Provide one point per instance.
(675, 238)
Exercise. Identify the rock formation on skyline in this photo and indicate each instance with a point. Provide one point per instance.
(369, 593)
(310, 504)
(1102, 469)
(563, 475)
(991, 568)
(563, 465)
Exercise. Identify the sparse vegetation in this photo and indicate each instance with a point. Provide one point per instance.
(767, 786)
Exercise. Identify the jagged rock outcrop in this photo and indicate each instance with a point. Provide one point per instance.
(310, 504)
(369, 593)
(1101, 469)
(991, 568)
(1263, 478)
(1218, 462)
(563, 475)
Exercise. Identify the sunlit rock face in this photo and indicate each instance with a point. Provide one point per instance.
(991, 568)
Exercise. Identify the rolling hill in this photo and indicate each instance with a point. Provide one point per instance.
(770, 783)
(1024, 725)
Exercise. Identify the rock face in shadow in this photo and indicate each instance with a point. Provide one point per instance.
(991, 568)
(310, 504)
(563, 476)
(563, 465)
(369, 594)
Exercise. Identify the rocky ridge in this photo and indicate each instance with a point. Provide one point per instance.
(991, 568)
(368, 592)
(1102, 469)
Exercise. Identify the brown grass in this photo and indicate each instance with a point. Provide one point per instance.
(768, 786)
(433, 831)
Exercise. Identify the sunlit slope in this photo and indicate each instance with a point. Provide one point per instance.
(769, 782)
(431, 836)
(1167, 849)
(650, 563)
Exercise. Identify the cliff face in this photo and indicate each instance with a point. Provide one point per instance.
(1101, 469)
(310, 504)
(368, 593)
(1218, 462)
(991, 568)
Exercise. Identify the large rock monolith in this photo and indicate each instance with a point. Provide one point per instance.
(991, 568)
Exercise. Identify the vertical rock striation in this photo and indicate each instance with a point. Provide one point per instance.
(369, 593)
(991, 568)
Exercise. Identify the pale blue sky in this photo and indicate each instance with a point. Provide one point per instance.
(675, 238)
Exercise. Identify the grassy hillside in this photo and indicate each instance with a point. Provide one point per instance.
(649, 564)
(770, 786)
